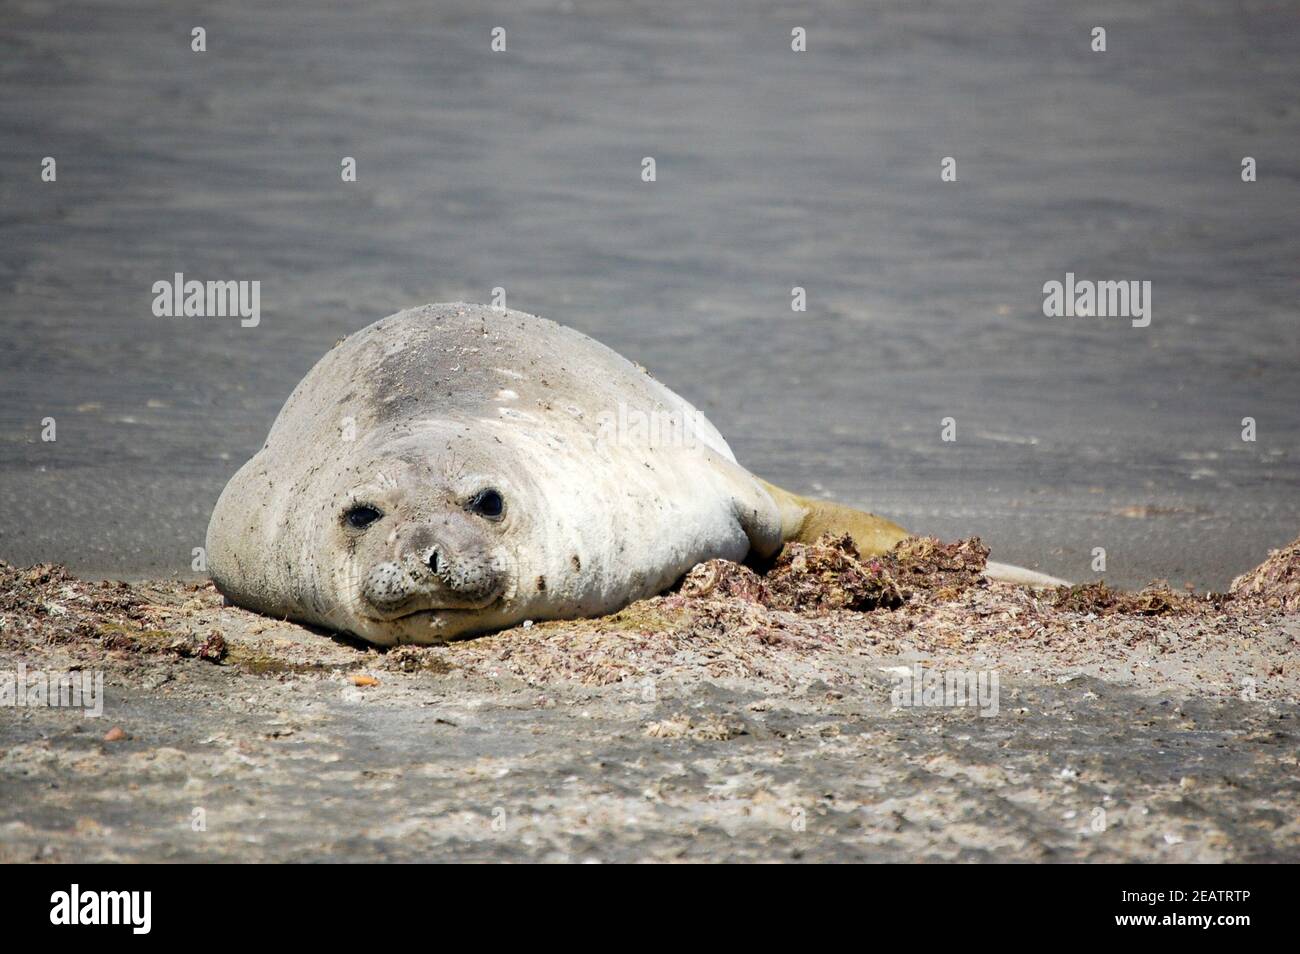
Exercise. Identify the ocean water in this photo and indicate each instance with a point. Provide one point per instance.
(775, 169)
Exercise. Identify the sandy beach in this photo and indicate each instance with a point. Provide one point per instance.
(741, 718)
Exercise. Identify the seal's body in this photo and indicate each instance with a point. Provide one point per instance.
(455, 469)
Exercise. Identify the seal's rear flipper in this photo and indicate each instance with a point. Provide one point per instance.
(1006, 573)
(803, 520)
(771, 517)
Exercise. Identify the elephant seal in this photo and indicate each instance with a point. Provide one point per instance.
(455, 469)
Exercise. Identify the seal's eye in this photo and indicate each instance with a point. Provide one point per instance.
(361, 517)
(488, 503)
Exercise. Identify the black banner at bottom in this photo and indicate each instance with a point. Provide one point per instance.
(1181, 906)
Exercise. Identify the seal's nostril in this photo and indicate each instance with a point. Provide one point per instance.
(433, 560)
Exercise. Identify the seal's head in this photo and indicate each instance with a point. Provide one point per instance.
(423, 551)
(409, 541)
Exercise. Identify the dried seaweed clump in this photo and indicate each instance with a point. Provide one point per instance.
(1275, 582)
(49, 598)
(211, 648)
(829, 575)
(1101, 600)
(30, 590)
(47, 601)
(931, 564)
(724, 579)
(826, 575)
(709, 728)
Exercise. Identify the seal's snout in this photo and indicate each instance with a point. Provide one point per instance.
(468, 577)
(431, 574)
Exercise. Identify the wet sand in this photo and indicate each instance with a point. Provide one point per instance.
(775, 169)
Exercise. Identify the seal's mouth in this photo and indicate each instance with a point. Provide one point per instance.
(436, 614)
(429, 625)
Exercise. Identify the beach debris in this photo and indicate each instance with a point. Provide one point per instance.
(1102, 600)
(1275, 582)
(948, 569)
(708, 728)
(831, 575)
